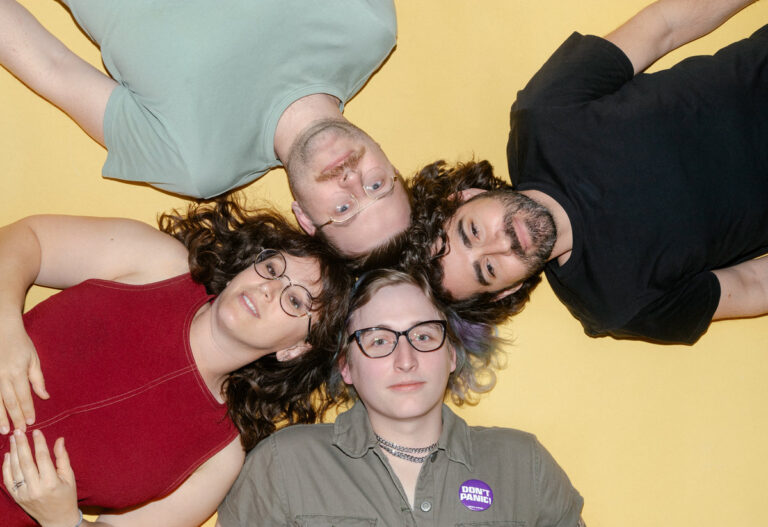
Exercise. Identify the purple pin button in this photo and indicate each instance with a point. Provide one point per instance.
(475, 495)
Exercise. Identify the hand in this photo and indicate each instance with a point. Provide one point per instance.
(45, 492)
(19, 367)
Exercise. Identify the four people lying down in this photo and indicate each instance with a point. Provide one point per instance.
(192, 344)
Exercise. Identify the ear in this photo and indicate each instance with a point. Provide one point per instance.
(469, 193)
(344, 370)
(284, 355)
(506, 292)
(304, 221)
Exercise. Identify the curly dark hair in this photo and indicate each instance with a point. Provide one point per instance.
(435, 191)
(476, 345)
(223, 238)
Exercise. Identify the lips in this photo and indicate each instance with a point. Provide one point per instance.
(522, 235)
(249, 305)
(407, 386)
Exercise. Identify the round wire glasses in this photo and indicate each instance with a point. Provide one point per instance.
(376, 184)
(377, 343)
(295, 299)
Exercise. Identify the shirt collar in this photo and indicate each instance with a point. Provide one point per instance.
(353, 435)
(352, 432)
(455, 439)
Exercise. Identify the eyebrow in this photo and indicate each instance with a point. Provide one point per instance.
(468, 244)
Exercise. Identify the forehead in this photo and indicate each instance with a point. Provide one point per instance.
(483, 205)
(305, 271)
(397, 306)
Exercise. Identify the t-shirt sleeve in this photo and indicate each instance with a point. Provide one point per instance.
(582, 69)
(140, 146)
(559, 503)
(258, 495)
(681, 315)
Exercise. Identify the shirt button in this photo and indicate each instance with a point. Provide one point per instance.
(425, 506)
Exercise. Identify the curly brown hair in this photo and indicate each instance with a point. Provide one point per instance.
(435, 191)
(223, 238)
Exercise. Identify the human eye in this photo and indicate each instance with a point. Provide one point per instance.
(270, 268)
(342, 208)
(377, 340)
(373, 187)
(473, 229)
(491, 270)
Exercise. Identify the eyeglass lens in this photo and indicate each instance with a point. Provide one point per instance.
(376, 184)
(380, 342)
(294, 299)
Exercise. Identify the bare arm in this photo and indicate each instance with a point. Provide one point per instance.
(668, 24)
(743, 290)
(43, 63)
(61, 251)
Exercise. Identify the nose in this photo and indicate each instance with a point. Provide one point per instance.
(351, 180)
(271, 289)
(498, 243)
(405, 355)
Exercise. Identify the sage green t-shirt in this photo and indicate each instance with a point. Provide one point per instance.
(335, 474)
(203, 84)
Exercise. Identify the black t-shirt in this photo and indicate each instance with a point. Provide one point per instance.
(664, 178)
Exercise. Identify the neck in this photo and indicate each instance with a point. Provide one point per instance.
(301, 114)
(415, 432)
(564, 242)
(211, 359)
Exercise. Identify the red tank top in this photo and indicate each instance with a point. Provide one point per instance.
(125, 392)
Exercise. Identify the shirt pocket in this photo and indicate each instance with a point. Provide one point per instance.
(321, 520)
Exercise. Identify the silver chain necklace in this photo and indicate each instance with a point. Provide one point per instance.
(406, 452)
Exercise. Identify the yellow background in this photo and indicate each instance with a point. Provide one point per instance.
(649, 434)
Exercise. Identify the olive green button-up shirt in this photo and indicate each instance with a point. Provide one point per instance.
(336, 475)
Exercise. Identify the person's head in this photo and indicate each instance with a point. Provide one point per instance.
(401, 351)
(272, 281)
(346, 190)
(482, 243)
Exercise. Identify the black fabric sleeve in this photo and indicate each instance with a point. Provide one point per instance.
(681, 316)
(583, 68)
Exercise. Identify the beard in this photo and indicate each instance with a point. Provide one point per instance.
(305, 146)
(537, 220)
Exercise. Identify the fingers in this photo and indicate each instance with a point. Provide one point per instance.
(11, 404)
(7, 476)
(4, 426)
(24, 403)
(63, 468)
(43, 456)
(21, 457)
(38, 385)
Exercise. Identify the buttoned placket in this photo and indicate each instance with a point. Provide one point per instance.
(424, 511)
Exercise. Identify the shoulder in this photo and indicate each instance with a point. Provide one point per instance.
(510, 439)
(583, 68)
(292, 444)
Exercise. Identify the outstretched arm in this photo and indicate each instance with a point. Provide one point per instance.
(743, 290)
(60, 251)
(43, 63)
(668, 24)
